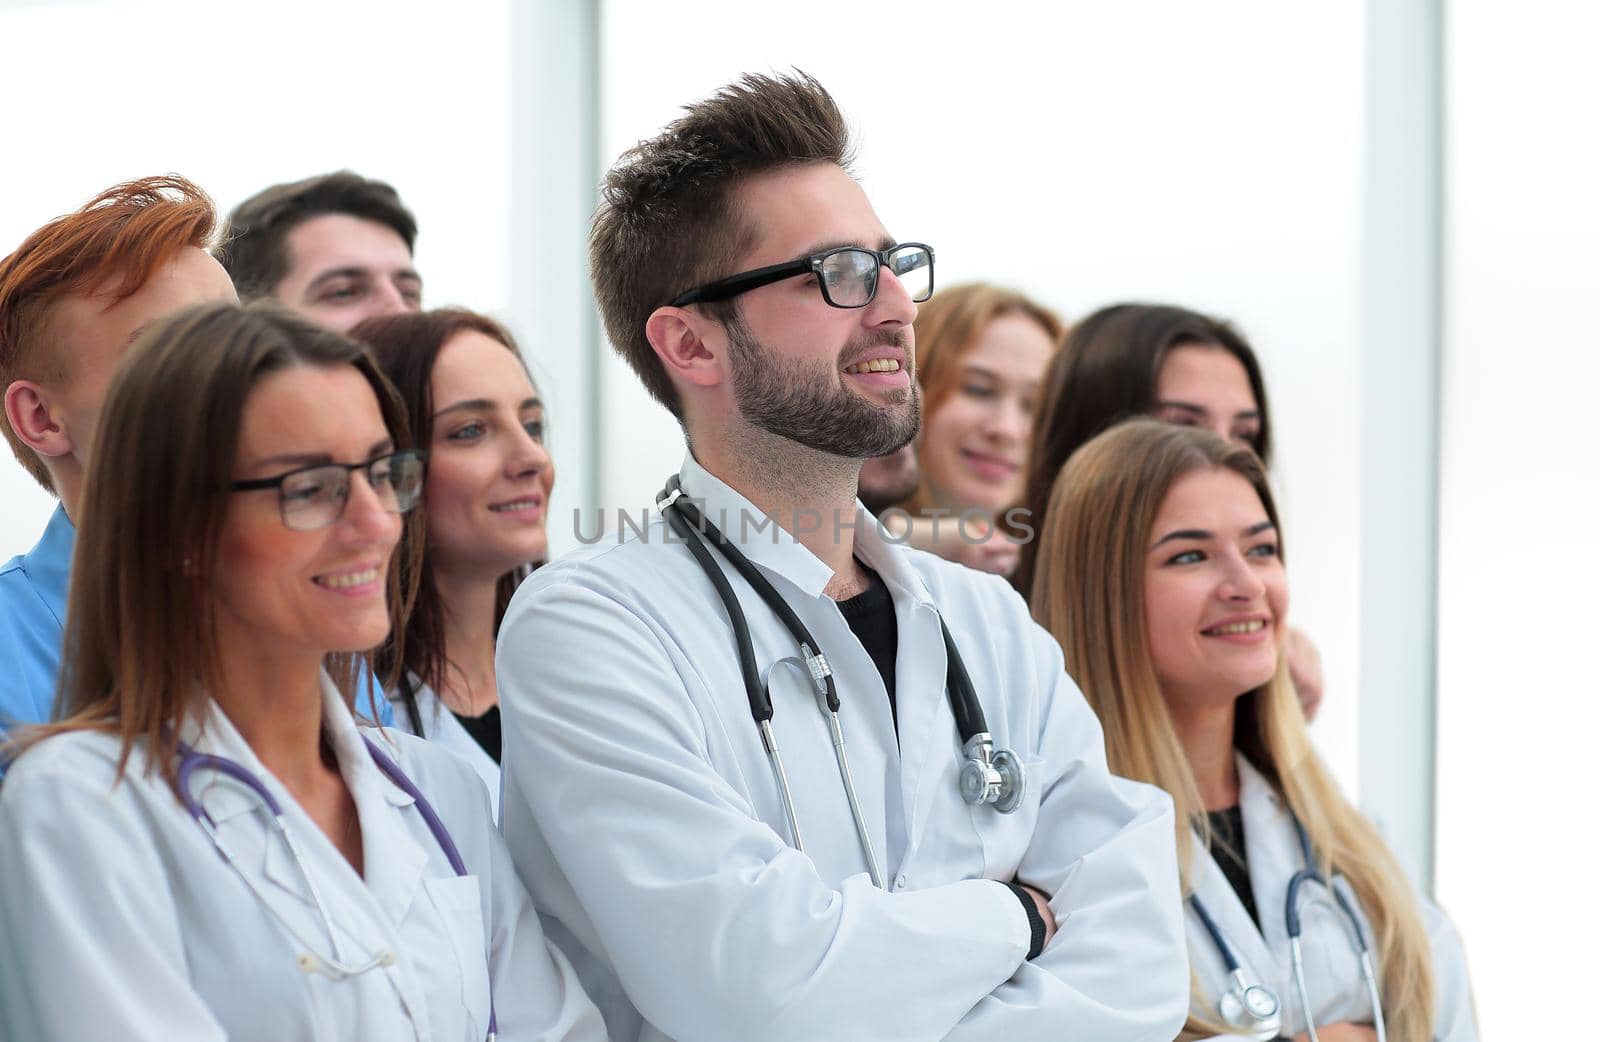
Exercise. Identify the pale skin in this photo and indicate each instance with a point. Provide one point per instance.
(794, 212)
(285, 598)
(974, 445)
(1200, 385)
(1216, 604)
(56, 417)
(489, 484)
(344, 269)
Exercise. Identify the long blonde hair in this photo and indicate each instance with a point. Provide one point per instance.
(1088, 591)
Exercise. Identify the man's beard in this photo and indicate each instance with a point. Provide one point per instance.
(806, 403)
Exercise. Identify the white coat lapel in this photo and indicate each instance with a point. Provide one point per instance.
(1332, 970)
(1272, 850)
(392, 859)
(243, 819)
(1241, 932)
(924, 722)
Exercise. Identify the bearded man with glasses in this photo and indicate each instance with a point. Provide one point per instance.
(945, 879)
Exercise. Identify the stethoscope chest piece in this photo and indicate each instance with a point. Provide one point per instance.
(1251, 1009)
(988, 776)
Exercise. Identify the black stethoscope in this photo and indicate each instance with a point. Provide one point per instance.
(330, 966)
(1253, 1009)
(987, 775)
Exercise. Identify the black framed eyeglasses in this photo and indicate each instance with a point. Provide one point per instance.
(847, 275)
(314, 497)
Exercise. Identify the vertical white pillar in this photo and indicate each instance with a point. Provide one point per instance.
(554, 169)
(1400, 284)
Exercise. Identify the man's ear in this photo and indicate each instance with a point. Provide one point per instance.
(36, 419)
(690, 346)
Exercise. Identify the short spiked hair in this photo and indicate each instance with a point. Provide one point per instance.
(667, 221)
(112, 244)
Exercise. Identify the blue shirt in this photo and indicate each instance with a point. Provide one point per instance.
(33, 610)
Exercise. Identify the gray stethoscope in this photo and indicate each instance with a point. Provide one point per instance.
(330, 966)
(1253, 1009)
(987, 775)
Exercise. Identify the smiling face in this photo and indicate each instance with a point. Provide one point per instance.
(975, 443)
(344, 269)
(305, 594)
(1215, 592)
(1203, 386)
(489, 476)
(839, 380)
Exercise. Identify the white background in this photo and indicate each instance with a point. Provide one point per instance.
(1087, 158)
(1204, 154)
(239, 96)
(1520, 497)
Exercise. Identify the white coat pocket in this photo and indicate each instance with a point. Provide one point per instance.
(1006, 836)
(459, 904)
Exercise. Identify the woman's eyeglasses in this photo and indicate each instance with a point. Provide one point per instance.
(314, 497)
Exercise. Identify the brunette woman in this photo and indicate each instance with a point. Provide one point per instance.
(1155, 360)
(472, 403)
(206, 846)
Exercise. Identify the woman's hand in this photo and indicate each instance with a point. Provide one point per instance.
(1343, 1032)
(975, 543)
(1305, 670)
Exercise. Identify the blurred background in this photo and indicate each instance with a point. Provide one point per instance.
(1394, 200)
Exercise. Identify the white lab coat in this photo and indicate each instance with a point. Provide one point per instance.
(640, 806)
(119, 919)
(441, 727)
(1333, 974)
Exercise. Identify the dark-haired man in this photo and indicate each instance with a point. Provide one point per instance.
(704, 891)
(887, 480)
(335, 247)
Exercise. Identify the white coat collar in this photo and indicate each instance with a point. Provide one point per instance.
(392, 860)
(1257, 795)
(774, 549)
(215, 735)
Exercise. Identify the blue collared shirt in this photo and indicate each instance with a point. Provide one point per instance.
(33, 611)
(33, 608)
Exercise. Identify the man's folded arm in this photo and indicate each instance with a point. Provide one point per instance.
(716, 928)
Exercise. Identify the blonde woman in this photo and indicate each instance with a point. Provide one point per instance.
(1161, 573)
(981, 354)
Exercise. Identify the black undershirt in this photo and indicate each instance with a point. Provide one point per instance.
(1227, 849)
(871, 618)
(485, 730)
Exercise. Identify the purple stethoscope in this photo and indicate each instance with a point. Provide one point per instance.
(329, 966)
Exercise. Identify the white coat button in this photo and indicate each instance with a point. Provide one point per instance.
(900, 882)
